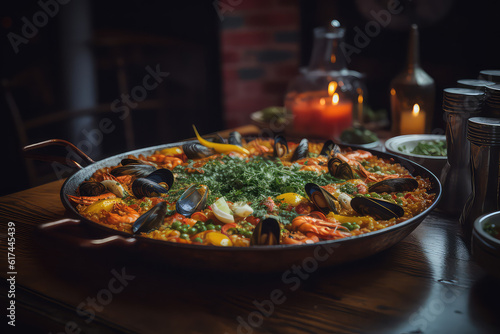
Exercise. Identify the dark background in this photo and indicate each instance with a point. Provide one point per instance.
(457, 40)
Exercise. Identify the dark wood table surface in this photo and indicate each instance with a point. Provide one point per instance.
(426, 283)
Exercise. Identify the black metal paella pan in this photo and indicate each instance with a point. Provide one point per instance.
(258, 257)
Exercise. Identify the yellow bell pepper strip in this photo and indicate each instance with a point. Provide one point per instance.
(220, 148)
(103, 204)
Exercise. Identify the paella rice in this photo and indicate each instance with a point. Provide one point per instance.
(256, 192)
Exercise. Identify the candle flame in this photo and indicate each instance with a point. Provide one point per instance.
(335, 99)
(322, 102)
(416, 110)
(360, 99)
(333, 59)
(332, 86)
(393, 91)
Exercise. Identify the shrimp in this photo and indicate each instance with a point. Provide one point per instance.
(87, 200)
(122, 214)
(322, 228)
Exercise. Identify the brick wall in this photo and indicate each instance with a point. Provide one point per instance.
(260, 54)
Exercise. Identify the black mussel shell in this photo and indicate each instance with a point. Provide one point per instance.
(130, 161)
(394, 185)
(197, 151)
(323, 200)
(156, 183)
(150, 220)
(377, 208)
(91, 189)
(192, 200)
(215, 138)
(162, 175)
(235, 138)
(340, 169)
(329, 148)
(280, 146)
(266, 232)
(137, 170)
(302, 151)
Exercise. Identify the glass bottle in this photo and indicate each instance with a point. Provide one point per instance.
(326, 97)
(484, 136)
(412, 94)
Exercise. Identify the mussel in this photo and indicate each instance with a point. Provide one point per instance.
(302, 151)
(266, 232)
(323, 200)
(234, 138)
(91, 189)
(377, 208)
(340, 169)
(329, 148)
(150, 220)
(156, 183)
(215, 138)
(131, 161)
(197, 151)
(394, 185)
(280, 146)
(192, 200)
(135, 169)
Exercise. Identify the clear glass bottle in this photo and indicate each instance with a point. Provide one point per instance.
(412, 94)
(326, 97)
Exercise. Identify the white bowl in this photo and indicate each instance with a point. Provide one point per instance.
(433, 163)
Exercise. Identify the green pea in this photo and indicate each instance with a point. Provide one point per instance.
(192, 230)
(377, 168)
(368, 195)
(210, 226)
(387, 196)
(175, 225)
(184, 236)
(197, 239)
(355, 226)
(375, 195)
(201, 228)
(183, 228)
(399, 201)
(217, 227)
(247, 234)
(399, 194)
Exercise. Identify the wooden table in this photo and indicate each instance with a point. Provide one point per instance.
(425, 284)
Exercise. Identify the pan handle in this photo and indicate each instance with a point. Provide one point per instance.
(35, 151)
(55, 228)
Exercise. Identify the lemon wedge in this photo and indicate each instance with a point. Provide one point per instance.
(242, 209)
(222, 212)
(293, 199)
(218, 239)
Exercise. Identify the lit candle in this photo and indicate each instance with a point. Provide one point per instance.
(412, 121)
(323, 117)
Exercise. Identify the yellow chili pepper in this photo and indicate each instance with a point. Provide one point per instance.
(220, 148)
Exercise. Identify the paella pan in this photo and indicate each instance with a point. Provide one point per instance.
(265, 203)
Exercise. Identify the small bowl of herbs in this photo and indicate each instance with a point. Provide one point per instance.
(359, 136)
(424, 149)
(485, 245)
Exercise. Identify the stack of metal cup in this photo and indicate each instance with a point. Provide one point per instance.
(484, 136)
(490, 75)
(459, 104)
(492, 101)
(474, 84)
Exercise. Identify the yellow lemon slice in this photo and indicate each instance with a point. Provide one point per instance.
(222, 212)
(218, 239)
(293, 199)
(103, 204)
